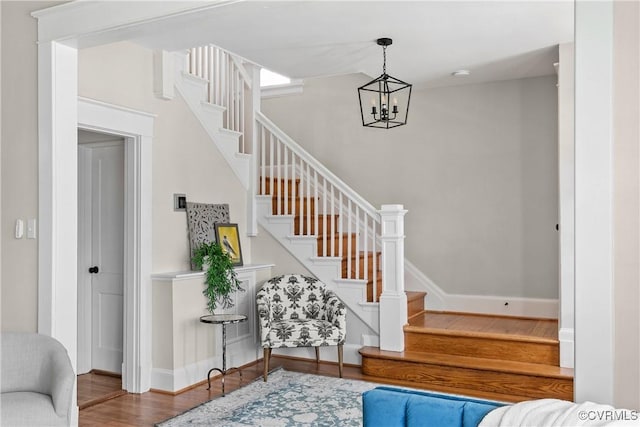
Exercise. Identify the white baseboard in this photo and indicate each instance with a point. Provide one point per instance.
(175, 380)
(566, 337)
(371, 340)
(181, 378)
(416, 280)
(503, 305)
(75, 416)
(329, 353)
(438, 300)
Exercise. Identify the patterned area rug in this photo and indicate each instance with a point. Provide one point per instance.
(286, 399)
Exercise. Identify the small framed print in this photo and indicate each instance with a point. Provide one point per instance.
(228, 238)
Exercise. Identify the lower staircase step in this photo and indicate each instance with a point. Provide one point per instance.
(292, 205)
(333, 244)
(355, 268)
(415, 303)
(504, 338)
(308, 222)
(280, 186)
(514, 381)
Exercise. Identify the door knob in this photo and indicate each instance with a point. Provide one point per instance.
(94, 269)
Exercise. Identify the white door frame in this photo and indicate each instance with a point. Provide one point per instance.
(137, 129)
(61, 113)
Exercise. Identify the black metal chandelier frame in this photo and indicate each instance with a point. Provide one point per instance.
(384, 88)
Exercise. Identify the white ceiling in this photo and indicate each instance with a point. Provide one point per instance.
(495, 40)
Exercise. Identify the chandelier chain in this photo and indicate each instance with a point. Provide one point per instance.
(384, 60)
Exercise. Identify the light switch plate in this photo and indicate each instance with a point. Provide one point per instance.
(19, 228)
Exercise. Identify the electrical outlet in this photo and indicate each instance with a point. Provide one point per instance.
(31, 228)
(179, 202)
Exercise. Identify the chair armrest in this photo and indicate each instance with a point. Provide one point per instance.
(62, 382)
(264, 316)
(335, 310)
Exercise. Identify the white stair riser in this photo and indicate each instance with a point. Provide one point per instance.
(304, 249)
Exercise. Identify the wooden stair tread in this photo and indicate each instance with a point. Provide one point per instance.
(542, 331)
(414, 295)
(498, 397)
(495, 365)
(486, 335)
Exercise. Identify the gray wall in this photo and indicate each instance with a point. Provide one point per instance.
(19, 269)
(476, 167)
(184, 158)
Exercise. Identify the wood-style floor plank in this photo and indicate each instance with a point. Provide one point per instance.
(149, 408)
(153, 407)
(478, 323)
(94, 388)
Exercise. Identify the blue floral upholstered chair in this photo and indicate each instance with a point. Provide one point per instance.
(299, 311)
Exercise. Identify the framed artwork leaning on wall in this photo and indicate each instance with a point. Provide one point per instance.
(228, 238)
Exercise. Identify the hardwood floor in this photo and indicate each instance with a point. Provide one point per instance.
(487, 325)
(97, 387)
(153, 407)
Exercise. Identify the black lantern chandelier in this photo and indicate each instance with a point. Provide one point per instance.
(384, 102)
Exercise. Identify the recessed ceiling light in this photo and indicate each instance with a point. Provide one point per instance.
(460, 73)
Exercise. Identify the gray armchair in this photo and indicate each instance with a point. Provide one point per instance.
(299, 311)
(36, 381)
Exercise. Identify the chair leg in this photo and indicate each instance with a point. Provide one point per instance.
(267, 356)
(340, 359)
(317, 355)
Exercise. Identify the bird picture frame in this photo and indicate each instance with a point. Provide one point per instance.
(228, 238)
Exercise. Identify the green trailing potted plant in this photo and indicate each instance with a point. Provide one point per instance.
(221, 280)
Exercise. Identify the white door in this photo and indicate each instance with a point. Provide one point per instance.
(101, 255)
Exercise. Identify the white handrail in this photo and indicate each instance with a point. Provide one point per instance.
(315, 164)
(345, 225)
(227, 82)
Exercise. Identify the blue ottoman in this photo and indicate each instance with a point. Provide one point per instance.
(390, 407)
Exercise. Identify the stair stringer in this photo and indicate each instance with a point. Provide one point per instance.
(353, 293)
(194, 91)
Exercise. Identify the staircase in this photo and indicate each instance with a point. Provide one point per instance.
(344, 241)
(332, 241)
(321, 221)
(503, 358)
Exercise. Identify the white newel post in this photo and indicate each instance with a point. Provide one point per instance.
(393, 301)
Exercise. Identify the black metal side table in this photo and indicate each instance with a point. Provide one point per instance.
(224, 320)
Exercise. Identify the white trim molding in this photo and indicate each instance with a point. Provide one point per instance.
(567, 353)
(90, 23)
(137, 129)
(438, 300)
(57, 205)
(594, 311)
(296, 87)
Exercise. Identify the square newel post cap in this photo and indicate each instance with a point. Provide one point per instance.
(392, 209)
